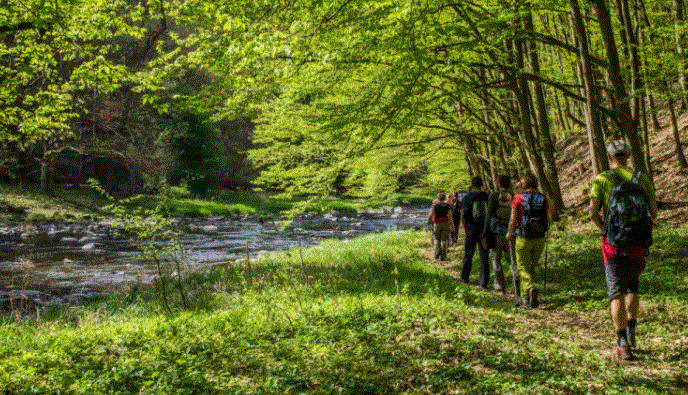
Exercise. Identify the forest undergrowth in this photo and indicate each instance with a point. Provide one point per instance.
(367, 316)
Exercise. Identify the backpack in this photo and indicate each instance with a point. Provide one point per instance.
(479, 211)
(534, 223)
(456, 208)
(499, 223)
(628, 222)
(441, 210)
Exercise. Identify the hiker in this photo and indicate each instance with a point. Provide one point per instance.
(529, 222)
(624, 240)
(497, 223)
(473, 209)
(456, 215)
(440, 216)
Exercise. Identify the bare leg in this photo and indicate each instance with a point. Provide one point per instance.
(632, 302)
(618, 310)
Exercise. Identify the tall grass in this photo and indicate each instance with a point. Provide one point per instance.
(367, 316)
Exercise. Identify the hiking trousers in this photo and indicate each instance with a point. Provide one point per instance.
(440, 239)
(503, 248)
(528, 252)
(473, 239)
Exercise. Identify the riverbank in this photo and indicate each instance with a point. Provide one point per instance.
(18, 205)
(371, 315)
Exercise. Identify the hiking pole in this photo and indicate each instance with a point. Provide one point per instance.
(544, 288)
(515, 275)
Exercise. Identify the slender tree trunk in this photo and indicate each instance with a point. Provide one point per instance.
(643, 101)
(634, 59)
(47, 184)
(680, 157)
(592, 117)
(653, 112)
(545, 137)
(522, 92)
(111, 176)
(624, 119)
(646, 138)
(680, 50)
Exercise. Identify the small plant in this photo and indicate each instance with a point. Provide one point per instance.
(159, 239)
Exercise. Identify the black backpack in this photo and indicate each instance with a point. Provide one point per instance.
(628, 222)
(534, 223)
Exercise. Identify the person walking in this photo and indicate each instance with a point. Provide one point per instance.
(528, 224)
(473, 209)
(624, 238)
(456, 215)
(497, 223)
(440, 216)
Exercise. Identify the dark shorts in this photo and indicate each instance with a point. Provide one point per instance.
(622, 274)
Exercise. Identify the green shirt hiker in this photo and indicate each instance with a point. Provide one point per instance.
(604, 182)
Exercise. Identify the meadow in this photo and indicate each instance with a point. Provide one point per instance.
(366, 316)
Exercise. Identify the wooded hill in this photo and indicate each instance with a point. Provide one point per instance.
(353, 97)
(670, 180)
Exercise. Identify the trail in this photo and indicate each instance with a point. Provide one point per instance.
(588, 328)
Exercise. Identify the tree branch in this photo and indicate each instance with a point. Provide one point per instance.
(16, 28)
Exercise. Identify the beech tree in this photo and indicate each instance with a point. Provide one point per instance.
(349, 97)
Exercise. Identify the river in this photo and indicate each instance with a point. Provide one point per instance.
(56, 262)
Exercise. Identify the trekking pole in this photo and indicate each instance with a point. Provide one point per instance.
(544, 289)
(514, 269)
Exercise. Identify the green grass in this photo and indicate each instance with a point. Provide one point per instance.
(66, 205)
(368, 316)
(86, 204)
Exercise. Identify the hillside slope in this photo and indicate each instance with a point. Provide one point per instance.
(671, 182)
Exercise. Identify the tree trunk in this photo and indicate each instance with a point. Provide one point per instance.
(680, 157)
(111, 176)
(680, 42)
(624, 119)
(523, 97)
(592, 117)
(653, 112)
(646, 138)
(634, 59)
(47, 184)
(545, 138)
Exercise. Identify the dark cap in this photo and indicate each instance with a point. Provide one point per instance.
(617, 148)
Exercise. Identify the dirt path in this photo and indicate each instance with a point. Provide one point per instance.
(587, 328)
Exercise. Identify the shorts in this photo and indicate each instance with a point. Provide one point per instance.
(609, 251)
(622, 275)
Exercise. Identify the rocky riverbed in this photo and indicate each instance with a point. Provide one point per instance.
(64, 263)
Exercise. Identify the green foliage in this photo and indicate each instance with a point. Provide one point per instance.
(199, 154)
(369, 315)
(42, 39)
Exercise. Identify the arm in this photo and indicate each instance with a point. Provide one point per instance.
(595, 204)
(431, 214)
(451, 221)
(512, 224)
(653, 210)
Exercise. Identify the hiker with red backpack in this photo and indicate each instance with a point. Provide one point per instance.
(440, 216)
(528, 225)
(629, 204)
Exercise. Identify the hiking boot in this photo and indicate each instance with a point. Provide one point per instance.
(622, 351)
(533, 297)
(630, 336)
